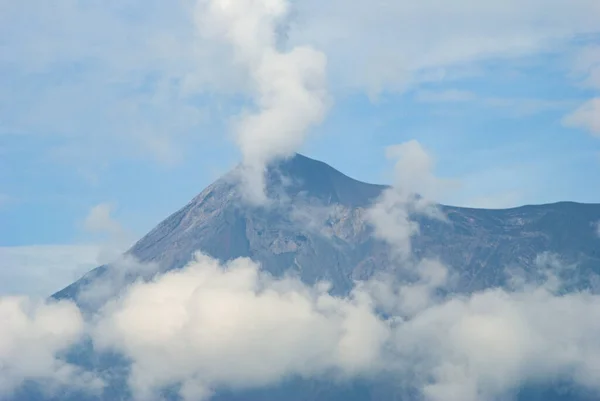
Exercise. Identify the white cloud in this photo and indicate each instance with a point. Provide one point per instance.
(587, 66)
(210, 326)
(586, 117)
(40, 270)
(33, 335)
(414, 191)
(122, 271)
(288, 87)
(100, 220)
(489, 344)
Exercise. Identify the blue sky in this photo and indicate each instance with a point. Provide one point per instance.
(125, 104)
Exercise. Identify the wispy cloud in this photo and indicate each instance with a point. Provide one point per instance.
(515, 107)
(586, 117)
(414, 191)
(4, 200)
(40, 270)
(587, 68)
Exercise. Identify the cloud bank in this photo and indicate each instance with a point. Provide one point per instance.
(210, 327)
(32, 337)
(232, 326)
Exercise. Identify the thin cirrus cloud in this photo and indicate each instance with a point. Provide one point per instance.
(586, 66)
(586, 117)
(40, 270)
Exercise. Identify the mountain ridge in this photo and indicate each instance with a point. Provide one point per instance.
(217, 222)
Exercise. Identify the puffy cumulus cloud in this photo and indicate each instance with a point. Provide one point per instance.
(210, 326)
(32, 337)
(491, 343)
(414, 190)
(586, 117)
(289, 86)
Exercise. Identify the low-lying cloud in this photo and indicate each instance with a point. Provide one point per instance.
(212, 326)
(33, 335)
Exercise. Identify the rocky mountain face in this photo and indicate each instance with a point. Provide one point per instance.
(317, 228)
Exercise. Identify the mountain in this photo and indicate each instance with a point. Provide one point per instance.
(316, 227)
(291, 236)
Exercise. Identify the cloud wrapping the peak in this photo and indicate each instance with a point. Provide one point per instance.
(288, 86)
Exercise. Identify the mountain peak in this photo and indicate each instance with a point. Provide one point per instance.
(302, 176)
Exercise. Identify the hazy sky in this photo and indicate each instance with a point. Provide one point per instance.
(136, 104)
